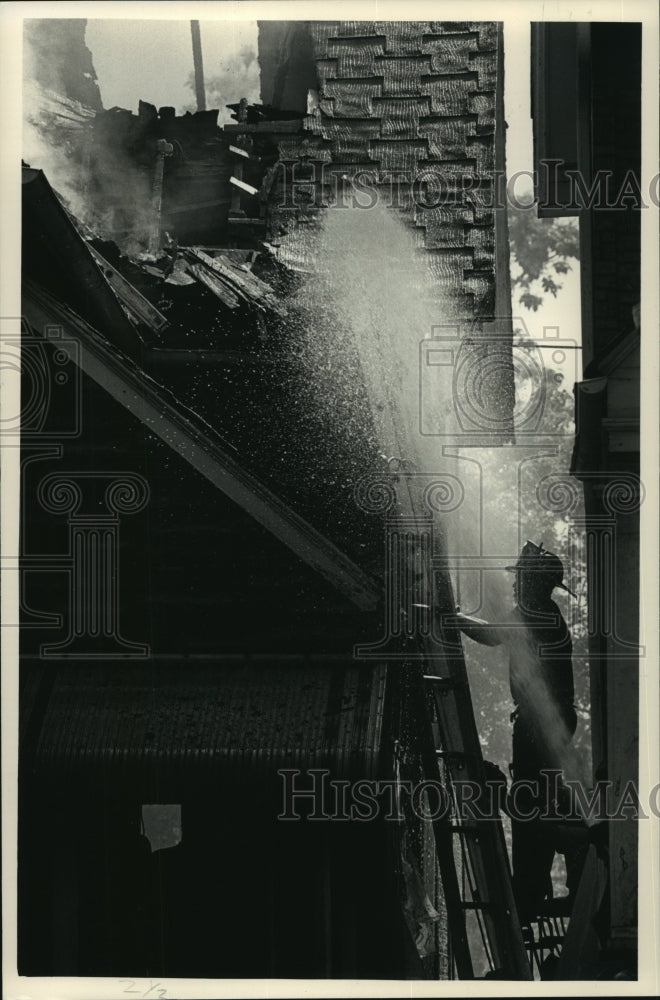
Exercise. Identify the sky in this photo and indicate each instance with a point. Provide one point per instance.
(152, 60)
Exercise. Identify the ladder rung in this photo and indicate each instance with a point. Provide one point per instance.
(472, 905)
(445, 683)
(453, 754)
(447, 708)
(549, 941)
(558, 907)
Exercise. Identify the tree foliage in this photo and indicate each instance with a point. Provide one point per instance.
(541, 251)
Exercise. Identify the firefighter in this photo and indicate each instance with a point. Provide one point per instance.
(544, 720)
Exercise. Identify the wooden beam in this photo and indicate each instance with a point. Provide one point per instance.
(243, 185)
(286, 125)
(164, 149)
(132, 300)
(235, 279)
(216, 203)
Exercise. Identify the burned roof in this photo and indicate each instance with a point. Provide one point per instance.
(228, 358)
(56, 258)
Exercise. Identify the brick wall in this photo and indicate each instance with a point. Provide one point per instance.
(413, 108)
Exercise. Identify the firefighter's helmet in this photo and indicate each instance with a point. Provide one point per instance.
(544, 565)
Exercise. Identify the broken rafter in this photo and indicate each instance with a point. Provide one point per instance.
(274, 125)
(231, 283)
(164, 149)
(243, 186)
(196, 206)
(134, 302)
(221, 289)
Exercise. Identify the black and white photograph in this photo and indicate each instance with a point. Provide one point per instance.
(329, 431)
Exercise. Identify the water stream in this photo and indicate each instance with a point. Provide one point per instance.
(373, 292)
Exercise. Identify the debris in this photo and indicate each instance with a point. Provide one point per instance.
(233, 284)
(179, 275)
(135, 304)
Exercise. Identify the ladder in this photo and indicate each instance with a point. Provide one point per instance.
(451, 753)
(419, 603)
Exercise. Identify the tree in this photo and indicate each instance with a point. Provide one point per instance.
(541, 250)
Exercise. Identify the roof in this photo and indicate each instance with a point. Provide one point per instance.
(55, 256)
(199, 444)
(63, 283)
(190, 722)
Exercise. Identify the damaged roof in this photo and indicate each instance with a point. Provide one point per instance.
(57, 259)
(117, 358)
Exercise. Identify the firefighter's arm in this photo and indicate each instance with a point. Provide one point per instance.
(478, 629)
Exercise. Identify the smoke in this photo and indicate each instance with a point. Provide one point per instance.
(247, 55)
(238, 77)
(55, 124)
(92, 173)
(53, 134)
